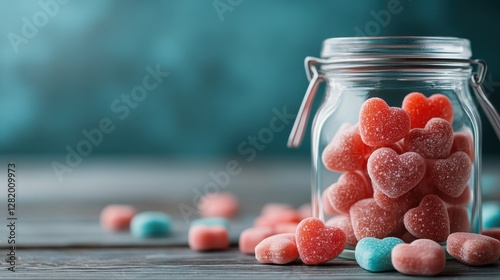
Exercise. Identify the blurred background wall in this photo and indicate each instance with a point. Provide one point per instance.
(230, 63)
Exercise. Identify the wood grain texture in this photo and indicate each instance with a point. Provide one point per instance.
(182, 263)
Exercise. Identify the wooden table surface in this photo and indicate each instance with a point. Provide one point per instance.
(61, 238)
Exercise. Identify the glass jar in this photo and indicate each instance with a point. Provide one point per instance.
(396, 142)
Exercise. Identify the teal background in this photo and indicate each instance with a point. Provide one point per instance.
(228, 71)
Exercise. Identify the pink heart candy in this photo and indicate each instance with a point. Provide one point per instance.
(344, 223)
(432, 141)
(459, 219)
(421, 257)
(277, 249)
(473, 249)
(346, 151)
(395, 174)
(202, 238)
(429, 220)
(350, 188)
(369, 220)
(450, 175)
(318, 243)
(381, 125)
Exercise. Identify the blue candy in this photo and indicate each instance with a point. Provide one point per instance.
(491, 214)
(374, 254)
(150, 224)
(213, 221)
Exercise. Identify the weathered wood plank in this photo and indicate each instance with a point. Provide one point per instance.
(182, 263)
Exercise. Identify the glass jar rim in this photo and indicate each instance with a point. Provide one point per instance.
(396, 47)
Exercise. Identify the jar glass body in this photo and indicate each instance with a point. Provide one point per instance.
(333, 191)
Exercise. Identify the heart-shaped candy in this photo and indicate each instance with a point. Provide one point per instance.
(202, 238)
(374, 254)
(369, 220)
(350, 188)
(421, 257)
(421, 109)
(277, 249)
(459, 219)
(472, 248)
(450, 175)
(429, 220)
(400, 204)
(395, 174)
(346, 151)
(433, 141)
(318, 243)
(381, 125)
(462, 141)
(344, 223)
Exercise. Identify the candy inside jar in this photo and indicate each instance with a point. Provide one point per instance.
(396, 142)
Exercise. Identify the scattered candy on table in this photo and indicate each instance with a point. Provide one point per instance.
(223, 204)
(208, 237)
(117, 217)
(374, 254)
(277, 249)
(250, 237)
(151, 224)
(212, 221)
(473, 249)
(421, 257)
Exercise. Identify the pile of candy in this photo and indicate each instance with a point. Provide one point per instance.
(405, 172)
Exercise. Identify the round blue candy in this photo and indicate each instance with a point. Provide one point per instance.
(491, 214)
(213, 221)
(374, 254)
(150, 224)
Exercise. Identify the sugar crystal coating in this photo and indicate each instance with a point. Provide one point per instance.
(381, 125)
(421, 257)
(277, 249)
(421, 109)
(400, 204)
(327, 205)
(344, 223)
(350, 188)
(395, 174)
(374, 254)
(433, 141)
(450, 175)
(318, 243)
(369, 220)
(204, 238)
(473, 249)
(346, 151)
(116, 217)
(250, 237)
(429, 220)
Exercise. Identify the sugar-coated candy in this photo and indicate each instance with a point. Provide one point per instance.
(116, 217)
(222, 204)
(250, 237)
(461, 200)
(394, 174)
(429, 220)
(344, 223)
(204, 238)
(421, 109)
(381, 125)
(459, 219)
(318, 243)
(374, 254)
(151, 224)
(462, 142)
(277, 249)
(399, 204)
(350, 188)
(369, 220)
(433, 141)
(491, 214)
(473, 249)
(212, 221)
(346, 151)
(492, 232)
(421, 257)
(450, 175)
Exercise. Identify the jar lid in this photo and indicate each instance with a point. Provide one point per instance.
(394, 47)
